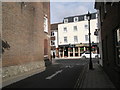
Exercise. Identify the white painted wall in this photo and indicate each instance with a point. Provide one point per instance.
(81, 32)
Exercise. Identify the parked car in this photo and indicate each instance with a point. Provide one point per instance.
(87, 55)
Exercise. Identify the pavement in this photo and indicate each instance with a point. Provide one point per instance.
(95, 78)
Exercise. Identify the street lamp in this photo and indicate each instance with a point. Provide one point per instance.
(90, 62)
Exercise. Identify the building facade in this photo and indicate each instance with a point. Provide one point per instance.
(25, 38)
(73, 37)
(54, 40)
(109, 28)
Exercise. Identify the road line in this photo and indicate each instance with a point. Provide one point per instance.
(50, 77)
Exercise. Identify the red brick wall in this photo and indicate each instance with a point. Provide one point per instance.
(46, 6)
(23, 29)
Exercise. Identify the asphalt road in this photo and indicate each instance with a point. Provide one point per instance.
(62, 73)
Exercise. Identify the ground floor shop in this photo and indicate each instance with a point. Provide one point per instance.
(75, 50)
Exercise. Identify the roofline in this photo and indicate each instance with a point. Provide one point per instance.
(79, 15)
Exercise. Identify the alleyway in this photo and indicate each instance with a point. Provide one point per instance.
(62, 74)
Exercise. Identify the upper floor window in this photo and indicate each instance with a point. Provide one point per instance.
(65, 29)
(65, 40)
(45, 24)
(52, 33)
(75, 19)
(86, 26)
(93, 16)
(85, 18)
(81, 18)
(65, 20)
(86, 38)
(75, 39)
(52, 42)
(117, 45)
(75, 28)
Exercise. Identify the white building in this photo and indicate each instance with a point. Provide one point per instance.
(73, 38)
(54, 39)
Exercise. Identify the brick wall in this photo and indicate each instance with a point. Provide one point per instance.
(22, 28)
(46, 6)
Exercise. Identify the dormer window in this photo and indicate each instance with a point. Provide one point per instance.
(75, 19)
(65, 20)
(85, 18)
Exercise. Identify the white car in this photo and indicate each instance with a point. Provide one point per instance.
(87, 55)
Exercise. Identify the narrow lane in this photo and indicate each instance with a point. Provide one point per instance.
(62, 74)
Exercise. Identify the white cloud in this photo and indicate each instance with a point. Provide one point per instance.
(65, 9)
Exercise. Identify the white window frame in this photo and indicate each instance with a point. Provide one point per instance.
(74, 28)
(85, 18)
(85, 26)
(65, 20)
(65, 39)
(52, 42)
(86, 38)
(75, 38)
(45, 24)
(117, 46)
(52, 33)
(65, 30)
(75, 19)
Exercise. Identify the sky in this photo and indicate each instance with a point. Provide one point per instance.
(59, 10)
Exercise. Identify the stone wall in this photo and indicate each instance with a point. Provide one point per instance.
(18, 72)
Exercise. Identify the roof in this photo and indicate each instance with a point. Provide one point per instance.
(54, 26)
(80, 17)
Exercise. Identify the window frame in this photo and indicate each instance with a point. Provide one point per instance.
(75, 29)
(76, 39)
(85, 26)
(65, 20)
(64, 29)
(65, 38)
(75, 19)
(45, 24)
(117, 47)
(86, 38)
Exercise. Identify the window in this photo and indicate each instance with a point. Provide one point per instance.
(65, 20)
(85, 18)
(81, 18)
(65, 39)
(65, 29)
(45, 24)
(75, 19)
(117, 45)
(52, 43)
(75, 28)
(75, 39)
(86, 26)
(86, 37)
(93, 16)
(52, 33)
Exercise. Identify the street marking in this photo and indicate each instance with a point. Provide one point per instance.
(50, 77)
(69, 66)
